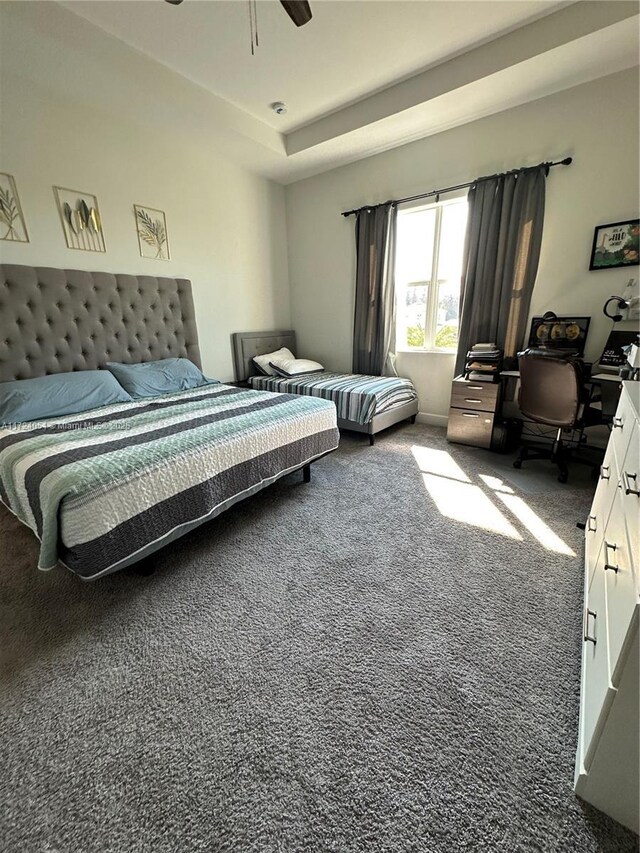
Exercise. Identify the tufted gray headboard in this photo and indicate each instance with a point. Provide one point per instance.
(53, 321)
(246, 345)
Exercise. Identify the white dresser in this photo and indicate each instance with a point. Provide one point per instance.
(607, 761)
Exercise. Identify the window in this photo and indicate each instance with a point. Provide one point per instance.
(430, 243)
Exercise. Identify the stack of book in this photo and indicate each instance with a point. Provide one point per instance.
(483, 363)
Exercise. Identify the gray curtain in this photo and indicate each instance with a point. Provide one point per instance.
(374, 314)
(502, 250)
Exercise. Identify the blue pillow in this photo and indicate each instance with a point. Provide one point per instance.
(152, 378)
(59, 394)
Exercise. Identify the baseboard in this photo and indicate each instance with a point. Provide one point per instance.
(433, 420)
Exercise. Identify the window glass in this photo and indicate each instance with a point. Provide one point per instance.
(428, 287)
(452, 231)
(414, 248)
(415, 314)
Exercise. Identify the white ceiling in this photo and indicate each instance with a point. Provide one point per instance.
(363, 76)
(350, 48)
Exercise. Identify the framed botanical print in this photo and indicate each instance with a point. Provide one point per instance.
(12, 224)
(616, 245)
(80, 219)
(153, 239)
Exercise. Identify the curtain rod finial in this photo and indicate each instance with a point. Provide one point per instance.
(567, 161)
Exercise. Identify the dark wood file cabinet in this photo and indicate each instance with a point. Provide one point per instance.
(472, 413)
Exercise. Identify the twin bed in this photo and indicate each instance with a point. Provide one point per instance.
(103, 488)
(366, 404)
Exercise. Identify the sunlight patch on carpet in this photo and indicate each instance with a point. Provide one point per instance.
(468, 503)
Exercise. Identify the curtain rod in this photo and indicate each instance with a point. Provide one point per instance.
(566, 162)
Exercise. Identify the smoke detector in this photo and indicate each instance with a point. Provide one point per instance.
(279, 108)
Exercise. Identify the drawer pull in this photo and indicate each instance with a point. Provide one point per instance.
(618, 423)
(471, 400)
(604, 468)
(475, 387)
(469, 415)
(607, 565)
(595, 524)
(626, 479)
(587, 638)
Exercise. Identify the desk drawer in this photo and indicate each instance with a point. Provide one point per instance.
(474, 396)
(470, 427)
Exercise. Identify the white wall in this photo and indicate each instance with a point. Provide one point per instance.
(596, 123)
(80, 109)
(67, 120)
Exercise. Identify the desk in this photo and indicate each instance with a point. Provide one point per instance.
(605, 377)
(610, 385)
(610, 388)
(597, 377)
(509, 408)
(476, 407)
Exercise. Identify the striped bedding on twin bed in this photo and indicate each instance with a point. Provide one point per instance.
(100, 488)
(357, 397)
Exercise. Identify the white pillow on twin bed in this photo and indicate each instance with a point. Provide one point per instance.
(290, 367)
(263, 361)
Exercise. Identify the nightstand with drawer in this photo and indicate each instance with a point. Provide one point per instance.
(472, 412)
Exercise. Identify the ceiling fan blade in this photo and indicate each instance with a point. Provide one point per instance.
(298, 10)
(174, 2)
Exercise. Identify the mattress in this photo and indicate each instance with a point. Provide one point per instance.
(103, 488)
(357, 397)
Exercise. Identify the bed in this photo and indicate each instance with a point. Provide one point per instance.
(105, 488)
(365, 404)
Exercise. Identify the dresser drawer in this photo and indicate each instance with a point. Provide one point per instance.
(469, 427)
(616, 564)
(474, 395)
(622, 427)
(597, 690)
(630, 488)
(600, 509)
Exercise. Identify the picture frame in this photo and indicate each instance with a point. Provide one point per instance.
(80, 219)
(616, 245)
(151, 227)
(13, 227)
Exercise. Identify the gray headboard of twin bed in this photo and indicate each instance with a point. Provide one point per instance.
(246, 345)
(54, 321)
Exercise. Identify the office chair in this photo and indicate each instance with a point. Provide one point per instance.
(552, 392)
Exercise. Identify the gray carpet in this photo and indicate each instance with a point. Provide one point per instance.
(333, 667)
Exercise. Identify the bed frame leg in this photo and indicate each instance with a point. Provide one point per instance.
(306, 473)
(144, 567)
(372, 440)
(412, 419)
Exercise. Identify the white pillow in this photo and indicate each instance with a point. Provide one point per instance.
(289, 367)
(262, 361)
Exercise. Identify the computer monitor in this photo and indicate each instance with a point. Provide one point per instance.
(562, 334)
(612, 355)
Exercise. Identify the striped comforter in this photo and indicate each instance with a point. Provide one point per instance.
(358, 398)
(104, 488)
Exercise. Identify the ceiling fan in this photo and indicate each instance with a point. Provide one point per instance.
(298, 10)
